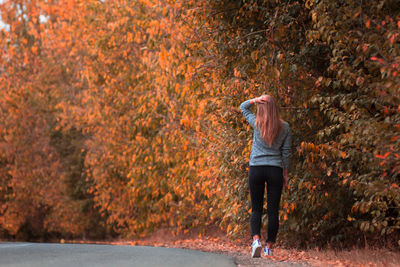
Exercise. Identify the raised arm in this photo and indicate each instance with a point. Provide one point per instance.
(245, 108)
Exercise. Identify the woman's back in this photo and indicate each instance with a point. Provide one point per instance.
(263, 154)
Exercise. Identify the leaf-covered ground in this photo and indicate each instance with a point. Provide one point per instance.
(217, 242)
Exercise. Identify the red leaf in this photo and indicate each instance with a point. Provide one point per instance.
(386, 111)
(392, 38)
(378, 59)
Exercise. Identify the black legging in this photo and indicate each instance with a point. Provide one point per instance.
(273, 176)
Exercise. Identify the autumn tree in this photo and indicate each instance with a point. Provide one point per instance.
(41, 167)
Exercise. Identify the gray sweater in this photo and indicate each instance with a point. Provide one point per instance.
(261, 153)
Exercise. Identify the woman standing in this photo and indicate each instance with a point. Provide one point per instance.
(269, 163)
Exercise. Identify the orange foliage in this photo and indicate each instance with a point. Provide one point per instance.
(124, 116)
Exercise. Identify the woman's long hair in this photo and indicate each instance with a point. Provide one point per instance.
(268, 120)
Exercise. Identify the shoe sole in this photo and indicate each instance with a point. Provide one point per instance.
(257, 253)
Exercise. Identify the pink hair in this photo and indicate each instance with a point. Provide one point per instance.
(268, 120)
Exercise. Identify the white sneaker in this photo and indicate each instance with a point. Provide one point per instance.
(268, 251)
(256, 249)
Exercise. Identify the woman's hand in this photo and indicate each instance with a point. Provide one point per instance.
(285, 178)
(259, 100)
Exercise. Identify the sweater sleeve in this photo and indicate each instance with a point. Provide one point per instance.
(286, 150)
(249, 116)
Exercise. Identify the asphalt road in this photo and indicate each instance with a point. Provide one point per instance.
(54, 254)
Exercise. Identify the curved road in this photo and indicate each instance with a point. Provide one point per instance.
(54, 254)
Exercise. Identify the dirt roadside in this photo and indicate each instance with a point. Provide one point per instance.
(216, 242)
